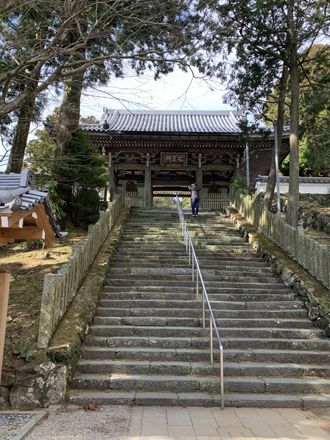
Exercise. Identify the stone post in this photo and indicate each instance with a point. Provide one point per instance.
(4, 295)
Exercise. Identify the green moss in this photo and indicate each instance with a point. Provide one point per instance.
(66, 342)
(27, 340)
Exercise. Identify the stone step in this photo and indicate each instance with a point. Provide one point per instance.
(153, 246)
(185, 312)
(198, 355)
(196, 321)
(236, 296)
(122, 382)
(228, 260)
(177, 272)
(160, 239)
(133, 264)
(243, 255)
(177, 331)
(182, 300)
(165, 274)
(175, 231)
(247, 283)
(231, 369)
(204, 265)
(200, 398)
(177, 248)
(204, 343)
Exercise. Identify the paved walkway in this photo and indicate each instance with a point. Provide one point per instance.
(169, 423)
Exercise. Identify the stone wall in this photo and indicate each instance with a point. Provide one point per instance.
(311, 255)
(60, 289)
(316, 312)
(317, 220)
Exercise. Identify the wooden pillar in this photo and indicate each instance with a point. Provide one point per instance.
(147, 188)
(199, 181)
(4, 295)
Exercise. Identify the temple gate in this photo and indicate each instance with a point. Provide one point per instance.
(160, 153)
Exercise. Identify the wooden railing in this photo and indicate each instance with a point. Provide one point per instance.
(214, 201)
(60, 289)
(134, 199)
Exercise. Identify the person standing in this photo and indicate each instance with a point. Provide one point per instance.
(194, 188)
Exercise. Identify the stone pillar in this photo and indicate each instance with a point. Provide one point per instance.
(111, 180)
(147, 188)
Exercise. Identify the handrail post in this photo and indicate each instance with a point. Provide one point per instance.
(4, 295)
(203, 301)
(192, 264)
(222, 391)
(197, 289)
(211, 340)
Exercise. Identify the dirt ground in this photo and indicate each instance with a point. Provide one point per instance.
(28, 267)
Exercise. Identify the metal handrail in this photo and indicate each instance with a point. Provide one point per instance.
(194, 262)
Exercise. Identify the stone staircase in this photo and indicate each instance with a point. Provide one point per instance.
(147, 345)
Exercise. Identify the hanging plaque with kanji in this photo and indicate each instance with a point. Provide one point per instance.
(178, 159)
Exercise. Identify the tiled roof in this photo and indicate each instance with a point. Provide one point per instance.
(22, 186)
(167, 121)
(285, 179)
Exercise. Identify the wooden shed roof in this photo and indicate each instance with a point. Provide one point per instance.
(25, 212)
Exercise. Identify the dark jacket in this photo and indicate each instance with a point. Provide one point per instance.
(194, 191)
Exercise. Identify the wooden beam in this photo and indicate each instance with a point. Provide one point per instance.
(36, 216)
(135, 166)
(4, 295)
(32, 232)
(14, 217)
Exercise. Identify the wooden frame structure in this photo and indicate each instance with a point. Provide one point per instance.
(30, 225)
(24, 212)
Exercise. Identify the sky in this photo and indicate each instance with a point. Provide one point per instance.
(176, 91)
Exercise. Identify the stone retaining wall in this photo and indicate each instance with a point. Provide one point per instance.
(42, 380)
(317, 220)
(311, 255)
(318, 314)
(60, 289)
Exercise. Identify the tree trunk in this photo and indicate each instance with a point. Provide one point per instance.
(69, 115)
(293, 199)
(280, 123)
(21, 134)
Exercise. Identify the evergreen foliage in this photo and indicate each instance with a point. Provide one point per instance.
(80, 175)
